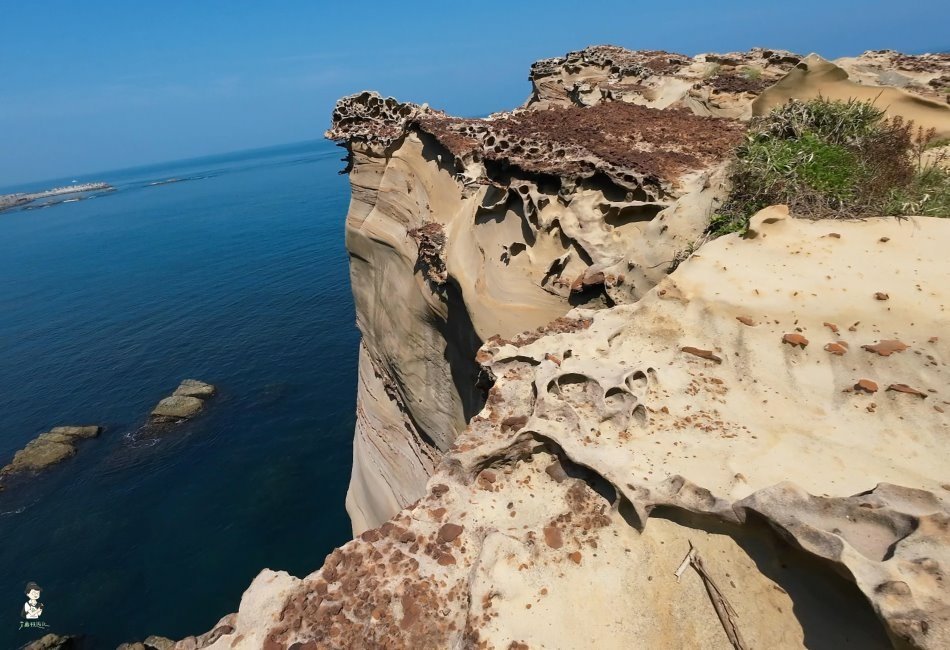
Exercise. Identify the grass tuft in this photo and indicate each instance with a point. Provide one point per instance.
(832, 159)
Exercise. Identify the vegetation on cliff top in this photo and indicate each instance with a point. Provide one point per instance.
(833, 159)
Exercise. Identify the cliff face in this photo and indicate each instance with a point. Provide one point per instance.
(580, 424)
(463, 229)
(459, 230)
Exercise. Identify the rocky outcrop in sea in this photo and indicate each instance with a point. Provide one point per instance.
(49, 448)
(59, 443)
(185, 403)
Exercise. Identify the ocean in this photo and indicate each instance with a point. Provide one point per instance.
(234, 273)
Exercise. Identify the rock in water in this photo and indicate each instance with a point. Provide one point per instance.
(54, 642)
(57, 444)
(185, 403)
(176, 407)
(195, 388)
(159, 642)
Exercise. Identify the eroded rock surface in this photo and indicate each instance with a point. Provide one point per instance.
(707, 84)
(817, 515)
(580, 424)
(462, 229)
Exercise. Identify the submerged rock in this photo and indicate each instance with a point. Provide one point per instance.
(194, 388)
(185, 403)
(54, 642)
(54, 446)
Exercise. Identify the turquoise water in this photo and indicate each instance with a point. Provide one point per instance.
(235, 275)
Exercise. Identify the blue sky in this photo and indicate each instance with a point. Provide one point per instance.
(88, 86)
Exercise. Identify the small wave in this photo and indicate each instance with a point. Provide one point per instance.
(138, 441)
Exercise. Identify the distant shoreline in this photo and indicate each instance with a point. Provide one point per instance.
(8, 201)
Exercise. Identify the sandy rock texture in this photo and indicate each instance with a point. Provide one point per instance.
(463, 229)
(621, 489)
(581, 424)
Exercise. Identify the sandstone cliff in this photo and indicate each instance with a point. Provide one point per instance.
(581, 424)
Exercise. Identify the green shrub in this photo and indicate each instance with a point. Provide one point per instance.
(927, 195)
(751, 73)
(711, 70)
(832, 159)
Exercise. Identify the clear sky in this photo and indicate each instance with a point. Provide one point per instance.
(95, 85)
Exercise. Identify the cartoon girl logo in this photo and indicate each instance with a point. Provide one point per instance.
(32, 608)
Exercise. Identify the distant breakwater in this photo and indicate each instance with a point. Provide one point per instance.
(8, 201)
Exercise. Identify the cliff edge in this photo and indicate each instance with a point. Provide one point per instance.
(582, 423)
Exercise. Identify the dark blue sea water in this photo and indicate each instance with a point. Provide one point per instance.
(235, 275)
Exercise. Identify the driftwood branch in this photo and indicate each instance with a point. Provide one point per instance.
(727, 615)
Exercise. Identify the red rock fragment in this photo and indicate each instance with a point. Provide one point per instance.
(838, 348)
(933, 339)
(553, 358)
(585, 281)
(410, 611)
(866, 385)
(486, 479)
(880, 295)
(552, 537)
(904, 388)
(835, 235)
(449, 532)
(445, 559)
(513, 423)
(439, 490)
(832, 327)
(794, 338)
(575, 557)
(884, 240)
(887, 347)
(699, 352)
(745, 320)
(556, 472)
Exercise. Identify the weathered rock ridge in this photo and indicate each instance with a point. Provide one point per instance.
(580, 424)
